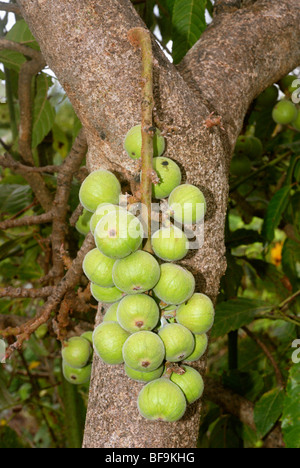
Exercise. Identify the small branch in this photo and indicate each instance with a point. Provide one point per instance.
(287, 301)
(10, 7)
(27, 221)
(75, 215)
(22, 293)
(27, 51)
(278, 374)
(140, 37)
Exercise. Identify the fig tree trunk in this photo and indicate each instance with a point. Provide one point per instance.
(241, 53)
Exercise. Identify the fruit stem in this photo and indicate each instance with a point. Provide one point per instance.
(140, 37)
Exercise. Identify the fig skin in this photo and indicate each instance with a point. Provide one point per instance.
(83, 223)
(143, 351)
(296, 123)
(161, 400)
(118, 234)
(170, 243)
(240, 165)
(187, 203)
(176, 284)
(76, 352)
(102, 210)
(201, 342)
(191, 383)
(98, 268)
(178, 341)
(284, 112)
(111, 313)
(133, 143)
(99, 186)
(108, 295)
(41, 331)
(77, 376)
(108, 340)
(138, 312)
(169, 174)
(197, 314)
(140, 376)
(136, 273)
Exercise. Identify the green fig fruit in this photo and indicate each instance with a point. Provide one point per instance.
(161, 400)
(197, 314)
(143, 351)
(136, 273)
(169, 177)
(176, 284)
(286, 83)
(108, 339)
(267, 98)
(144, 376)
(201, 342)
(83, 223)
(190, 382)
(76, 352)
(285, 112)
(98, 268)
(102, 210)
(99, 187)
(111, 313)
(133, 143)
(296, 123)
(170, 243)
(108, 295)
(118, 234)
(187, 203)
(138, 312)
(178, 341)
(42, 331)
(240, 165)
(88, 335)
(77, 376)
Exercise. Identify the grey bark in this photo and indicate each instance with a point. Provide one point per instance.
(240, 54)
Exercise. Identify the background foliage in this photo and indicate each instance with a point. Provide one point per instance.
(257, 316)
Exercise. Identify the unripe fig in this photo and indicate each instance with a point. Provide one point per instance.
(170, 243)
(191, 383)
(161, 400)
(242, 145)
(240, 165)
(143, 351)
(118, 234)
(284, 112)
(296, 123)
(255, 149)
(88, 335)
(178, 340)
(98, 268)
(133, 143)
(286, 83)
(176, 284)
(102, 210)
(77, 376)
(197, 314)
(201, 342)
(42, 331)
(76, 352)
(101, 294)
(111, 313)
(268, 97)
(99, 187)
(144, 376)
(136, 273)
(187, 203)
(83, 223)
(108, 339)
(138, 312)
(169, 175)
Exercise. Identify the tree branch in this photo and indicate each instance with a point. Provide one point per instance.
(27, 221)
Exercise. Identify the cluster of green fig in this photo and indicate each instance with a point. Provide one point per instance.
(156, 320)
(77, 355)
(249, 148)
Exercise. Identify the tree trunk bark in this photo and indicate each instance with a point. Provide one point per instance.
(86, 45)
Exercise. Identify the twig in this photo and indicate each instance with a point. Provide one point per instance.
(27, 221)
(140, 37)
(23, 293)
(279, 377)
(75, 215)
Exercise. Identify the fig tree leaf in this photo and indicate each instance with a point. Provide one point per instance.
(291, 261)
(43, 111)
(291, 409)
(188, 20)
(268, 410)
(235, 313)
(275, 209)
(14, 197)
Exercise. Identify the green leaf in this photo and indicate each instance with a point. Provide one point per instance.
(268, 410)
(291, 409)
(242, 237)
(12, 60)
(188, 21)
(291, 261)
(235, 313)
(14, 197)
(226, 433)
(21, 33)
(275, 209)
(43, 111)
